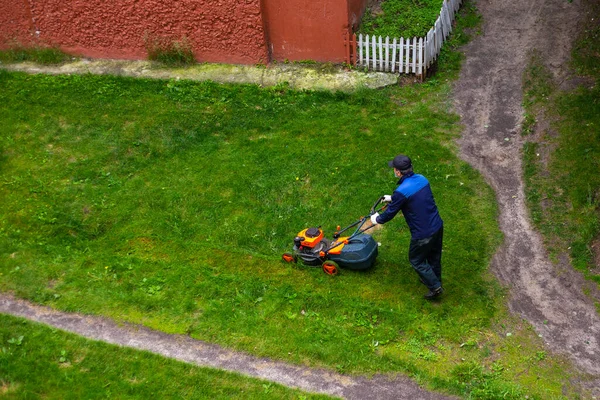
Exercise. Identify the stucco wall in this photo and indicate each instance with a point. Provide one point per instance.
(307, 29)
(218, 30)
(229, 31)
(15, 21)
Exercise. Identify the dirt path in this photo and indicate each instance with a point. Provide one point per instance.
(488, 96)
(183, 348)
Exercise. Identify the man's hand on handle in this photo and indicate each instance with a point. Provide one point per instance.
(374, 218)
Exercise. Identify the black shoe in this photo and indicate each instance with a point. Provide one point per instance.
(435, 293)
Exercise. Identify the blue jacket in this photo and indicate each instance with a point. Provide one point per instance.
(414, 197)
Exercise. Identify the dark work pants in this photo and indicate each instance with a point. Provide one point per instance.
(425, 255)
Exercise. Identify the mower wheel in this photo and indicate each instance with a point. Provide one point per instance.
(289, 258)
(331, 267)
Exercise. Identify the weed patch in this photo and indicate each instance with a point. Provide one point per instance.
(170, 52)
(45, 55)
(538, 86)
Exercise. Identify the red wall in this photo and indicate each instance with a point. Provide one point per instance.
(309, 29)
(229, 31)
(218, 30)
(15, 21)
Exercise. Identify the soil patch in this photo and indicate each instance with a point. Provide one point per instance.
(375, 7)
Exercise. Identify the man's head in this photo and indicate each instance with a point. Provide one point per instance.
(401, 164)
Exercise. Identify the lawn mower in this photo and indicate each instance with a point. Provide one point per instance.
(355, 252)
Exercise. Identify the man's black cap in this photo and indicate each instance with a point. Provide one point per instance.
(400, 162)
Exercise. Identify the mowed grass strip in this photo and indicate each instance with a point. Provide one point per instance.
(40, 362)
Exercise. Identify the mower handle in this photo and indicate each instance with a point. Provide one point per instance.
(362, 220)
(374, 210)
(378, 202)
(359, 231)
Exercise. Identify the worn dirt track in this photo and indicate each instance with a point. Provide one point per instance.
(184, 348)
(488, 97)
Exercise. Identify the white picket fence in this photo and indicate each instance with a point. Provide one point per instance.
(406, 55)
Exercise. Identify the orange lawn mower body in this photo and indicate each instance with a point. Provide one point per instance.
(357, 251)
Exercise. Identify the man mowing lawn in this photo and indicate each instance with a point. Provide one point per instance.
(414, 197)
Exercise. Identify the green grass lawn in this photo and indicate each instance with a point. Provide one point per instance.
(563, 182)
(169, 204)
(40, 362)
(401, 18)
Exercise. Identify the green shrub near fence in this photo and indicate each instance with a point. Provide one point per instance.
(401, 18)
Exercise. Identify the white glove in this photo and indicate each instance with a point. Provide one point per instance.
(374, 218)
(387, 198)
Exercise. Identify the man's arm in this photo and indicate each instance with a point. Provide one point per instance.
(392, 209)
